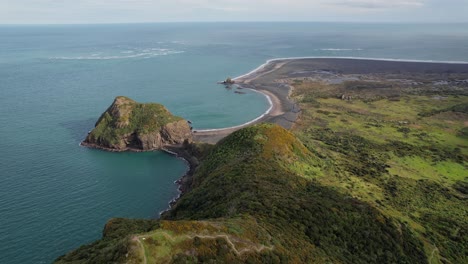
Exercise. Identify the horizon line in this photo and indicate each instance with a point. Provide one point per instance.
(240, 22)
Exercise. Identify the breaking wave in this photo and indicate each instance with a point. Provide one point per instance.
(334, 49)
(125, 54)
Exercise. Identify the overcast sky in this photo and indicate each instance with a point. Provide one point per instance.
(128, 11)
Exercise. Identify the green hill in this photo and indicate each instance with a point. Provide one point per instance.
(255, 198)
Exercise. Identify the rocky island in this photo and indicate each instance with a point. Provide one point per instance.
(131, 126)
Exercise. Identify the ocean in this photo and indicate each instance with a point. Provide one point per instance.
(56, 80)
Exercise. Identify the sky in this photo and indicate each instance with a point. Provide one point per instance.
(135, 11)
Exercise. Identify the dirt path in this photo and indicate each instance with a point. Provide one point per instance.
(440, 257)
(258, 249)
(432, 255)
(137, 239)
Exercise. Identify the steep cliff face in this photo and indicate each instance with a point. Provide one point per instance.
(128, 125)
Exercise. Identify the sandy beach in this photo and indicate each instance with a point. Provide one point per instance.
(283, 111)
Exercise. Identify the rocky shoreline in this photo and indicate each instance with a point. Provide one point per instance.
(184, 183)
(96, 146)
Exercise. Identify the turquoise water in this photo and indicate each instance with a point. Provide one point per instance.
(55, 81)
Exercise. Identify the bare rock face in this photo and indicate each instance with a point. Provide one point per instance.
(128, 125)
(176, 132)
(150, 141)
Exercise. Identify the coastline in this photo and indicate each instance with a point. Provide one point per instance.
(184, 182)
(276, 108)
(310, 77)
(95, 146)
(283, 111)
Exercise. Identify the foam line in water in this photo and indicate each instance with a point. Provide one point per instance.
(129, 54)
(335, 49)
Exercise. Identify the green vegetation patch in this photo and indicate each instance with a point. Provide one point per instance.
(407, 157)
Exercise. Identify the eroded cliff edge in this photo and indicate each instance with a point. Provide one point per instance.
(131, 126)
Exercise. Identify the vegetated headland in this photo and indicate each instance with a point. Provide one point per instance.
(365, 162)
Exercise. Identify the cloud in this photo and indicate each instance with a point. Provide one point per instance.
(378, 4)
(124, 11)
(216, 5)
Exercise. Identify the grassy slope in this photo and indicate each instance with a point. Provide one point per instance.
(135, 117)
(407, 157)
(255, 198)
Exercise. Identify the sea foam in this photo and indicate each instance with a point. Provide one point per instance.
(335, 49)
(126, 54)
